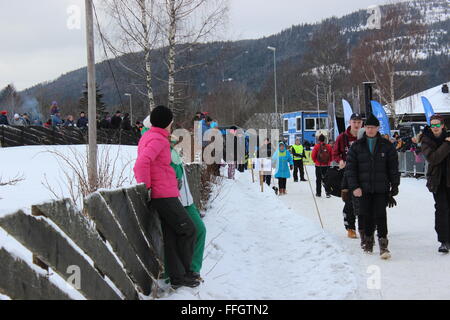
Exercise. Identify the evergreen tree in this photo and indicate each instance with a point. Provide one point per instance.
(101, 106)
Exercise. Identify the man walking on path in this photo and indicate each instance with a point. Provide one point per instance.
(340, 150)
(298, 153)
(322, 156)
(373, 177)
(436, 148)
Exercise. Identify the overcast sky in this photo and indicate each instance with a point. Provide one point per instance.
(37, 45)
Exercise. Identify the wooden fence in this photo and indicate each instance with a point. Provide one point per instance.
(15, 136)
(116, 246)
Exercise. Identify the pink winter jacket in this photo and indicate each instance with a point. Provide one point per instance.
(153, 164)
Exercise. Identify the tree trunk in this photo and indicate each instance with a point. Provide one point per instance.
(148, 66)
(171, 57)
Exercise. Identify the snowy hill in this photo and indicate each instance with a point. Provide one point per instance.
(247, 62)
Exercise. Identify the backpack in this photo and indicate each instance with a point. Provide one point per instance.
(324, 155)
(333, 181)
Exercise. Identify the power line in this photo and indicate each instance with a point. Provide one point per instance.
(107, 58)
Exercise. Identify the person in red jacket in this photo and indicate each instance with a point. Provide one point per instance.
(322, 157)
(340, 150)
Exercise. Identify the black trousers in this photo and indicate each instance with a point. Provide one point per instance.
(179, 235)
(442, 214)
(320, 175)
(282, 183)
(298, 165)
(373, 211)
(352, 213)
(267, 179)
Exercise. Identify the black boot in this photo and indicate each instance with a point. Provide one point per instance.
(443, 248)
(368, 244)
(184, 282)
(384, 252)
(362, 235)
(275, 189)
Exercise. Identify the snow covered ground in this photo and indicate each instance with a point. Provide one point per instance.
(37, 164)
(260, 246)
(416, 270)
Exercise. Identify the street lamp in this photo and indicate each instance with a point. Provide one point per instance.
(275, 81)
(131, 108)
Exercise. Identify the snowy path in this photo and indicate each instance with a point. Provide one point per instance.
(416, 270)
(259, 249)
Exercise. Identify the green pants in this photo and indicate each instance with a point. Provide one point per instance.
(199, 248)
(197, 258)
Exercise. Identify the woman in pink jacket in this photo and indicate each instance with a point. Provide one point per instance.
(153, 168)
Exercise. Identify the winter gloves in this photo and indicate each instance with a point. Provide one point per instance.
(394, 190)
(391, 201)
(390, 197)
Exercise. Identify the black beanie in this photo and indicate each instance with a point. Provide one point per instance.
(372, 121)
(161, 117)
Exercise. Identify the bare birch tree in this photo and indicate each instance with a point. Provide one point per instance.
(133, 28)
(185, 23)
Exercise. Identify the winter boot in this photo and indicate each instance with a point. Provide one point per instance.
(275, 189)
(363, 237)
(443, 248)
(368, 244)
(351, 234)
(384, 252)
(194, 276)
(185, 282)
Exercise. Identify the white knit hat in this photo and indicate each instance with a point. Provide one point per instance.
(147, 123)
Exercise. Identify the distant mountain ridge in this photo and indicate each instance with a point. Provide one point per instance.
(247, 62)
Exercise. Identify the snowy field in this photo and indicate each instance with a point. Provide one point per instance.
(38, 164)
(260, 246)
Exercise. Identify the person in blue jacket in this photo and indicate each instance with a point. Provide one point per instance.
(283, 162)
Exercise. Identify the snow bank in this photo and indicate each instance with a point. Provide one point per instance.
(36, 164)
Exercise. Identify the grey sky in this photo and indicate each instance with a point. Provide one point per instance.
(36, 45)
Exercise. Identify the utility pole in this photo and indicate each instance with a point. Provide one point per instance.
(131, 108)
(318, 102)
(274, 50)
(92, 105)
(368, 96)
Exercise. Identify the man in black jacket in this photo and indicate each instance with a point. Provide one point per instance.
(436, 148)
(372, 175)
(116, 120)
(82, 122)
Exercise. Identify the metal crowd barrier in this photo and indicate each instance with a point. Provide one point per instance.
(411, 163)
